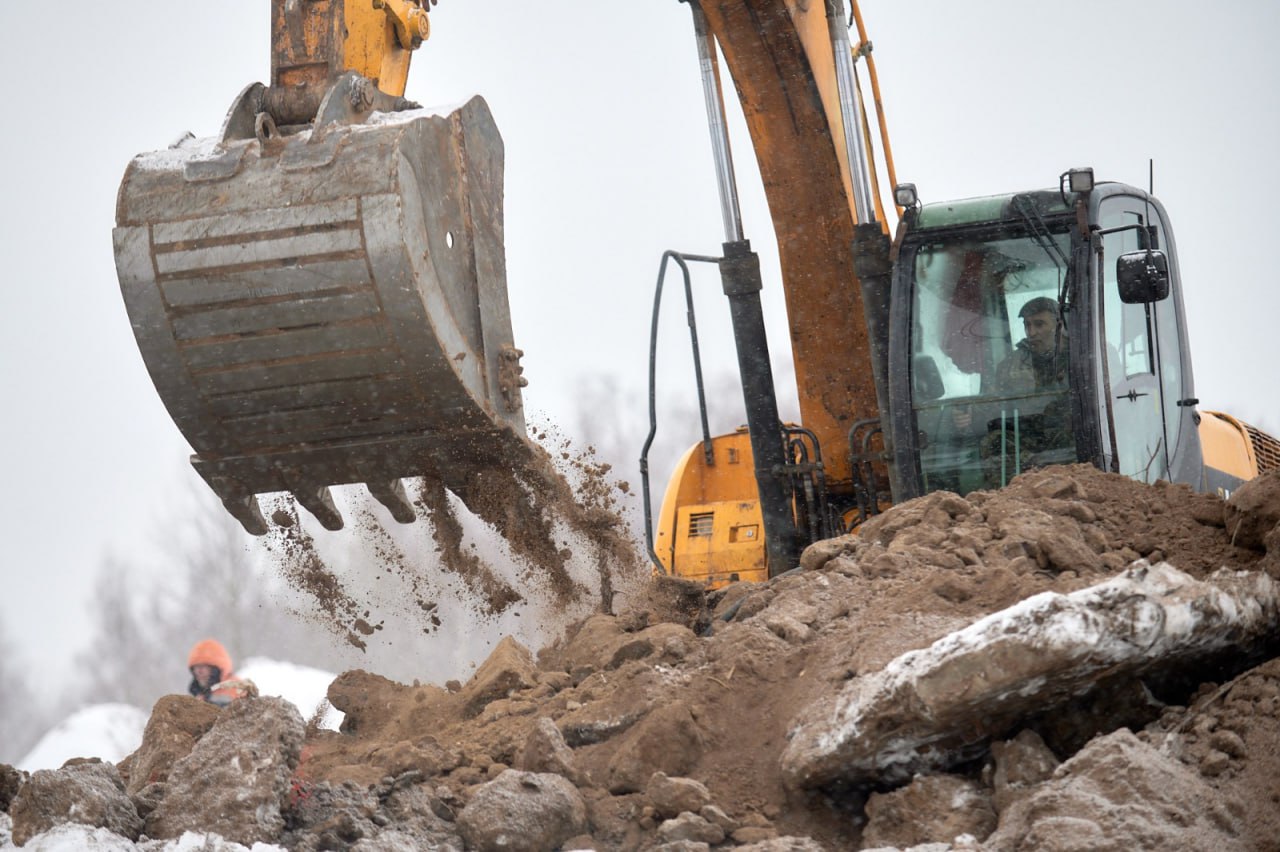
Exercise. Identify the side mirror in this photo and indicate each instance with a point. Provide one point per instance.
(1143, 277)
(927, 380)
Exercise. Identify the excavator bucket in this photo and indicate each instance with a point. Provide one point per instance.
(327, 306)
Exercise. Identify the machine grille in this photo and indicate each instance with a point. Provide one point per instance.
(700, 524)
(1265, 448)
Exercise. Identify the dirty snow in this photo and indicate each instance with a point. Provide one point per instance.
(1042, 649)
(71, 837)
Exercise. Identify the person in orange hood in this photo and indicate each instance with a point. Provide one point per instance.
(212, 678)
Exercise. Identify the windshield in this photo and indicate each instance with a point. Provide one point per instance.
(989, 360)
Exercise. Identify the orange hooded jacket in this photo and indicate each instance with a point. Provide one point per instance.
(209, 652)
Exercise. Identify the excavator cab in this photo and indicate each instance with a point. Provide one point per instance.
(1054, 320)
(319, 293)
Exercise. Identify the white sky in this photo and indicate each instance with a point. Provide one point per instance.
(608, 164)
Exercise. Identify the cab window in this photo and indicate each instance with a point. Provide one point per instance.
(989, 361)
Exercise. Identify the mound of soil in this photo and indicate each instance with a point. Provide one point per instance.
(664, 725)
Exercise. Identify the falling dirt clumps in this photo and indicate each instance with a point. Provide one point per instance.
(542, 509)
(295, 554)
(492, 593)
(664, 725)
(557, 518)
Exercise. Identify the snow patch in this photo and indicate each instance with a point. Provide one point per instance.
(107, 731)
(189, 149)
(112, 732)
(302, 686)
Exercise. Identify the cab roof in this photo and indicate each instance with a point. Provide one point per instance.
(991, 208)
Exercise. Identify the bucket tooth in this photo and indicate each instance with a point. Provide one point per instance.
(319, 502)
(392, 495)
(247, 512)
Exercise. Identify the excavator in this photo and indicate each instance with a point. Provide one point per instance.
(319, 296)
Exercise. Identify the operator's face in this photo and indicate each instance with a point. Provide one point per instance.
(1040, 330)
(203, 674)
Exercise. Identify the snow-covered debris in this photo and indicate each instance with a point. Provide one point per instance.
(1117, 793)
(713, 682)
(938, 706)
(70, 837)
(193, 841)
(237, 776)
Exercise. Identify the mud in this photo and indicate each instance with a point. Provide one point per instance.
(666, 722)
(539, 500)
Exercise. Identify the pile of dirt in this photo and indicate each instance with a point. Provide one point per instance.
(670, 724)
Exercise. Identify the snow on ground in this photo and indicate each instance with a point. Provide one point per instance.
(71, 837)
(303, 686)
(108, 731)
(113, 731)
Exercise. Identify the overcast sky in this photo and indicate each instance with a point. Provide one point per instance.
(608, 164)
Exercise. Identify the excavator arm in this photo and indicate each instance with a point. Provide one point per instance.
(791, 63)
(319, 293)
(314, 42)
(784, 62)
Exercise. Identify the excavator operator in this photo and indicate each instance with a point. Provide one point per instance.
(1039, 361)
(1033, 427)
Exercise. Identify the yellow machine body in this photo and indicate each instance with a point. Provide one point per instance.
(708, 530)
(1234, 451)
(380, 38)
(316, 42)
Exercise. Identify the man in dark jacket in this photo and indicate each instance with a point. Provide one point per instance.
(1036, 366)
(1039, 361)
